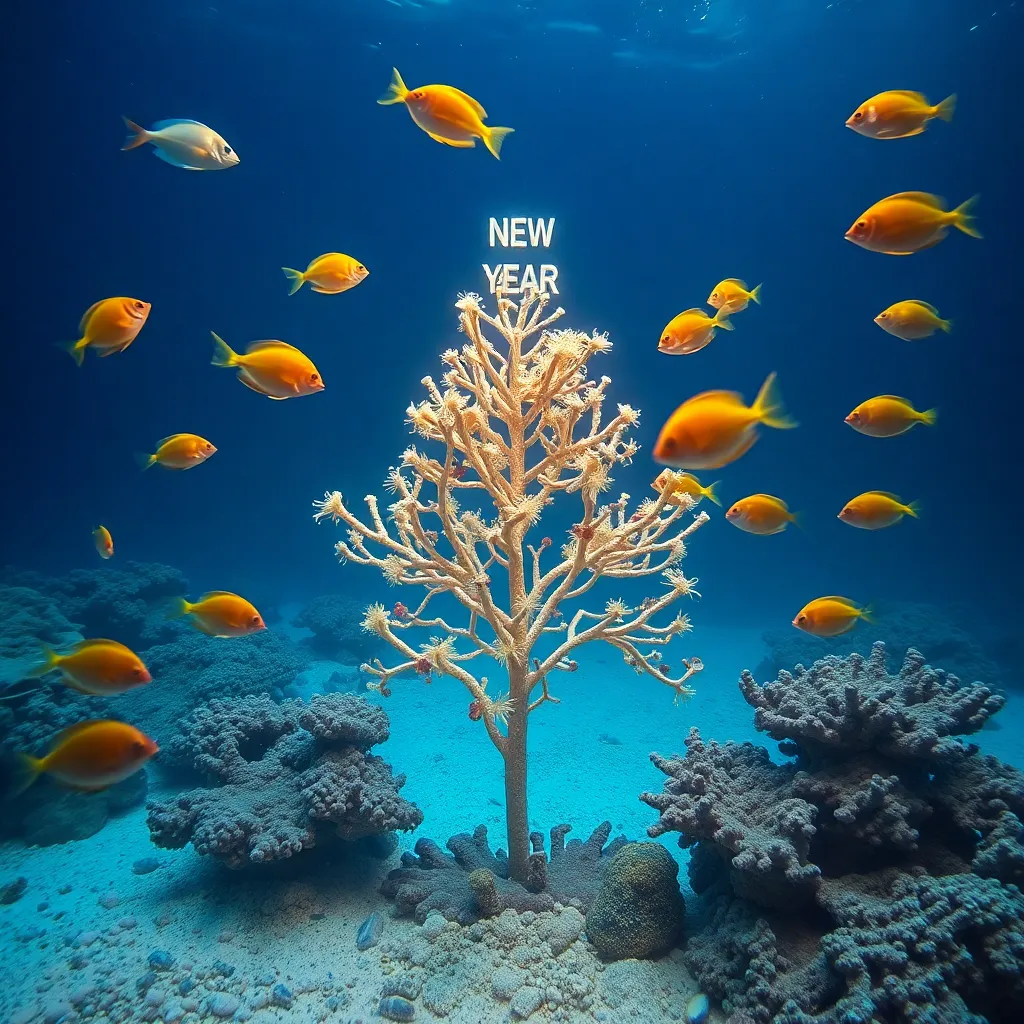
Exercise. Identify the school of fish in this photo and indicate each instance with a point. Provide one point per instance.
(710, 430)
(715, 428)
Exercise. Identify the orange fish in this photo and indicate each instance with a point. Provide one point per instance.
(830, 616)
(685, 483)
(89, 756)
(761, 514)
(874, 510)
(912, 320)
(271, 368)
(691, 330)
(908, 222)
(103, 541)
(330, 274)
(715, 428)
(887, 416)
(179, 451)
(731, 295)
(446, 114)
(220, 613)
(97, 667)
(109, 326)
(898, 114)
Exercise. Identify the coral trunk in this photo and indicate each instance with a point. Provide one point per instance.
(517, 819)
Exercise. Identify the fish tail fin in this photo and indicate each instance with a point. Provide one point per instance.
(963, 218)
(177, 607)
(867, 613)
(295, 277)
(26, 770)
(768, 406)
(721, 319)
(929, 416)
(494, 137)
(223, 355)
(145, 460)
(75, 349)
(913, 510)
(138, 136)
(711, 493)
(797, 519)
(946, 108)
(397, 90)
(946, 325)
(756, 294)
(49, 660)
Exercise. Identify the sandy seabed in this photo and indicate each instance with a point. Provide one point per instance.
(91, 939)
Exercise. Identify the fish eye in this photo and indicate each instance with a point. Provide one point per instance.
(139, 305)
(208, 447)
(801, 618)
(884, 316)
(714, 295)
(862, 225)
(858, 115)
(360, 268)
(314, 377)
(138, 746)
(227, 151)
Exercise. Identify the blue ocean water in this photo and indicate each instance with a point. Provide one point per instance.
(675, 144)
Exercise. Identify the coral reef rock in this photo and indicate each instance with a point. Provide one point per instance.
(334, 620)
(473, 882)
(638, 912)
(873, 877)
(279, 774)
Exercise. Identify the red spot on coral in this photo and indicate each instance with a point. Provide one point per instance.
(422, 666)
(475, 711)
(400, 611)
(545, 542)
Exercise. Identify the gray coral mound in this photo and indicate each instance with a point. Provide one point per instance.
(874, 877)
(281, 774)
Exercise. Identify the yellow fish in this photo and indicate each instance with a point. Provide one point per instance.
(179, 451)
(89, 756)
(908, 222)
(330, 274)
(98, 667)
(762, 514)
(103, 541)
(715, 428)
(887, 416)
(898, 114)
(691, 330)
(912, 320)
(109, 326)
(446, 114)
(731, 295)
(874, 510)
(685, 483)
(830, 616)
(271, 368)
(219, 613)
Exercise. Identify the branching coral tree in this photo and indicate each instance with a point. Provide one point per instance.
(521, 423)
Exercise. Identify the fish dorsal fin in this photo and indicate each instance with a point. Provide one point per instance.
(475, 104)
(696, 309)
(170, 437)
(845, 601)
(775, 501)
(170, 122)
(97, 642)
(889, 495)
(923, 305)
(257, 346)
(733, 397)
(215, 593)
(896, 398)
(323, 256)
(736, 280)
(936, 202)
(88, 313)
(910, 94)
(72, 730)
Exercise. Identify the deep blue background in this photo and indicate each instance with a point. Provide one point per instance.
(662, 179)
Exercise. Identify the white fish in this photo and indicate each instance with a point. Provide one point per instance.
(183, 143)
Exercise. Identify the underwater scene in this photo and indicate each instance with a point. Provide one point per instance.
(514, 514)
